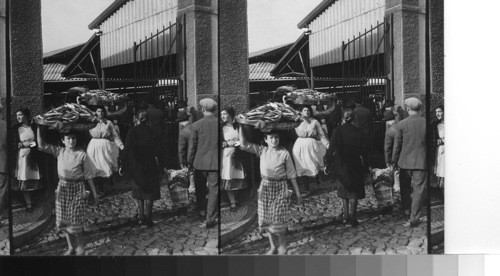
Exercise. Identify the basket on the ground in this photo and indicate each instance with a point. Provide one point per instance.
(178, 186)
(383, 181)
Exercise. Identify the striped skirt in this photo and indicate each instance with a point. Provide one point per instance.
(70, 206)
(273, 205)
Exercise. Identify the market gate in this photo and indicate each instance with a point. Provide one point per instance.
(158, 66)
(366, 62)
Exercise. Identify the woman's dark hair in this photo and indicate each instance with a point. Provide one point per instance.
(306, 106)
(102, 108)
(440, 107)
(265, 134)
(26, 112)
(230, 111)
(348, 115)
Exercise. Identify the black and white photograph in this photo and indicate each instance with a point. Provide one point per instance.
(113, 140)
(330, 154)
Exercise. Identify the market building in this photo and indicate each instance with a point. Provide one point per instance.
(376, 49)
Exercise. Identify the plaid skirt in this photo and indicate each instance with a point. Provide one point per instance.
(70, 206)
(273, 205)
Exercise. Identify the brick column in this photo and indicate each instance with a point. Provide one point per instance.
(233, 54)
(409, 48)
(202, 75)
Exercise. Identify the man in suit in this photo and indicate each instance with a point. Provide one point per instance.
(3, 169)
(203, 156)
(410, 156)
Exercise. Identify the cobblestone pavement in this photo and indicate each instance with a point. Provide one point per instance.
(111, 229)
(4, 237)
(316, 228)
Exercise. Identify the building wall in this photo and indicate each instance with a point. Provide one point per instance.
(26, 55)
(133, 22)
(343, 20)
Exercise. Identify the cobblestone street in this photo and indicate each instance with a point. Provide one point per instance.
(316, 228)
(111, 229)
(4, 237)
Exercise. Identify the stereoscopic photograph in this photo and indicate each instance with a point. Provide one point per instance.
(114, 144)
(334, 152)
(175, 127)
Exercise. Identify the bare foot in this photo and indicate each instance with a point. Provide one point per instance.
(282, 250)
(69, 252)
(271, 251)
(79, 251)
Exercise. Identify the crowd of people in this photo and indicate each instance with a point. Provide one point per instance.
(337, 140)
(88, 162)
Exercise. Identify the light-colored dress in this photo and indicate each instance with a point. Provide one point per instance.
(101, 150)
(232, 173)
(439, 167)
(73, 167)
(276, 167)
(28, 176)
(308, 152)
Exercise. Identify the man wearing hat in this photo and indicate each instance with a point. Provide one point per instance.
(203, 156)
(3, 169)
(410, 156)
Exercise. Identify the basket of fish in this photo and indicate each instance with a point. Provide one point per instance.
(309, 97)
(102, 97)
(271, 116)
(68, 117)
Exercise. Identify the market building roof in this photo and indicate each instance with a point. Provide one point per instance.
(304, 23)
(107, 13)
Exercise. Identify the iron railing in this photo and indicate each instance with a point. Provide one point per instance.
(365, 65)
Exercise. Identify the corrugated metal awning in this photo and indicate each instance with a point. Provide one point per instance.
(52, 73)
(337, 22)
(295, 61)
(86, 61)
(262, 71)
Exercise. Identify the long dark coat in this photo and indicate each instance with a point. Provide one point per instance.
(143, 161)
(346, 152)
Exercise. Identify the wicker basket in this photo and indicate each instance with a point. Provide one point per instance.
(179, 195)
(64, 126)
(383, 194)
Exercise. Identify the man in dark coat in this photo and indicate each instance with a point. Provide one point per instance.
(203, 156)
(410, 156)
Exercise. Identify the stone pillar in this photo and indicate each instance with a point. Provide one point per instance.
(202, 72)
(409, 48)
(233, 54)
(3, 54)
(26, 55)
(437, 52)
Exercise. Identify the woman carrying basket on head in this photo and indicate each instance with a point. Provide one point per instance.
(74, 168)
(276, 168)
(309, 149)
